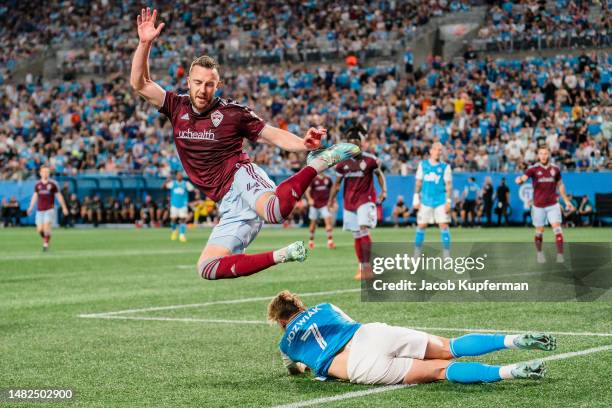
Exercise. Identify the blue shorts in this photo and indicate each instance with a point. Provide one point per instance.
(239, 223)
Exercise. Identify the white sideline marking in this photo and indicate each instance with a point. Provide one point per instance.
(356, 394)
(216, 302)
(174, 319)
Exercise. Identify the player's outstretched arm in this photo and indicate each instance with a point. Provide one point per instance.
(292, 143)
(140, 78)
(32, 202)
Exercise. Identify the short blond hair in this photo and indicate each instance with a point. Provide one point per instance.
(205, 61)
(284, 305)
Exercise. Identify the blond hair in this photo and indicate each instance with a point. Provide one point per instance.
(284, 305)
(205, 61)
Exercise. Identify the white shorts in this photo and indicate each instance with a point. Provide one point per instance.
(176, 212)
(43, 217)
(364, 216)
(239, 224)
(552, 214)
(431, 215)
(383, 354)
(318, 213)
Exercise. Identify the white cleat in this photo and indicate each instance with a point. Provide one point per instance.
(560, 258)
(541, 258)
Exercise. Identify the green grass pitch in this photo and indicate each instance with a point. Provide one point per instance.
(192, 356)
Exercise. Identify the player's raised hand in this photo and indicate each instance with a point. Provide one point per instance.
(313, 137)
(146, 25)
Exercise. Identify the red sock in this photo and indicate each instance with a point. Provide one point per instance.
(538, 242)
(312, 231)
(366, 248)
(237, 265)
(292, 189)
(47, 238)
(358, 249)
(330, 235)
(559, 242)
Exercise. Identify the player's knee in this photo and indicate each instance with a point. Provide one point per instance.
(207, 268)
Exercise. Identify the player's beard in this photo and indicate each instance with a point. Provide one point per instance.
(194, 102)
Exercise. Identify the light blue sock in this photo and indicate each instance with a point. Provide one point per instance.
(173, 226)
(419, 237)
(182, 229)
(469, 373)
(445, 238)
(476, 344)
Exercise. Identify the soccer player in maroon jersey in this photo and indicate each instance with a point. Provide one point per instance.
(318, 196)
(208, 135)
(546, 178)
(44, 195)
(360, 197)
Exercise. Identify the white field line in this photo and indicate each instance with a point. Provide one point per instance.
(378, 390)
(216, 302)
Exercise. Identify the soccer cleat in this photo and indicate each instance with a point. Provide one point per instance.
(446, 253)
(363, 273)
(174, 235)
(533, 370)
(331, 244)
(45, 248)
(541, 341)
(182, 238)
(311, 244)
(295, 252)
(541, 258)
(560, 258)
(335, 154)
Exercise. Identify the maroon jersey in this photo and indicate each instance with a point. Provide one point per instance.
(544, 180)
(209, 144)
(320, 189)
(358, 180)
(46, 194)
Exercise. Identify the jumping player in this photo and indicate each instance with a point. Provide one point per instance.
(546, 178)
(432, 198)
(360, 197)
(44, 195)
(325, 340)
(318, 197)
(209, 133)
(179, 200)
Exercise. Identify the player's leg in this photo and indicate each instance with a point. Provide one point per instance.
(366, 219)
(40, 227)
(538, 219)
(553, 214)
(329, 228)
(173, 225)
(445, 238)
(182, 217)
(425, 216)
(275, 207)
(314, 218)
(47, 232)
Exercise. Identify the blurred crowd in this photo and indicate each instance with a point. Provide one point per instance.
(536, 24)
(490, 114)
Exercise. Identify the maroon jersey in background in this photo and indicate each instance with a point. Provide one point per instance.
(358, 180)
(544, 180)
(210, 144)
(46, 194)
(320, 189)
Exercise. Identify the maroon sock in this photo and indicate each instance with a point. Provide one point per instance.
(237, 265)
(291, 190)
(538, 242)
(312, 231)
(330, 234)
(358, 249)
(559, 242)
(366, 248)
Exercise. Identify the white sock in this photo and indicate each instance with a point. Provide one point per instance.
(319, 165)
(280, 255)
(509, 341)
(505, 372)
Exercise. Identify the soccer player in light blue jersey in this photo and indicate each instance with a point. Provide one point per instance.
(331, 344)
(179, 198)
(432, 198)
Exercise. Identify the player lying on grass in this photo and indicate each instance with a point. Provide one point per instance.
(208, 134)
(324, 339)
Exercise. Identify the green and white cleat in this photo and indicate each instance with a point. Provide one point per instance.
(296, 252)
(335, 154)
(540, 341)
(533, 370)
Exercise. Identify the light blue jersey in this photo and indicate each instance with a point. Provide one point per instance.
(433, 176)
(316, 335)
(471, 191)
(179, 193)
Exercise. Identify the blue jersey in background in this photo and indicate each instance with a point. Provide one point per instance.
(179, 193)
(316, 335)
(433, 176)
(471, 191)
